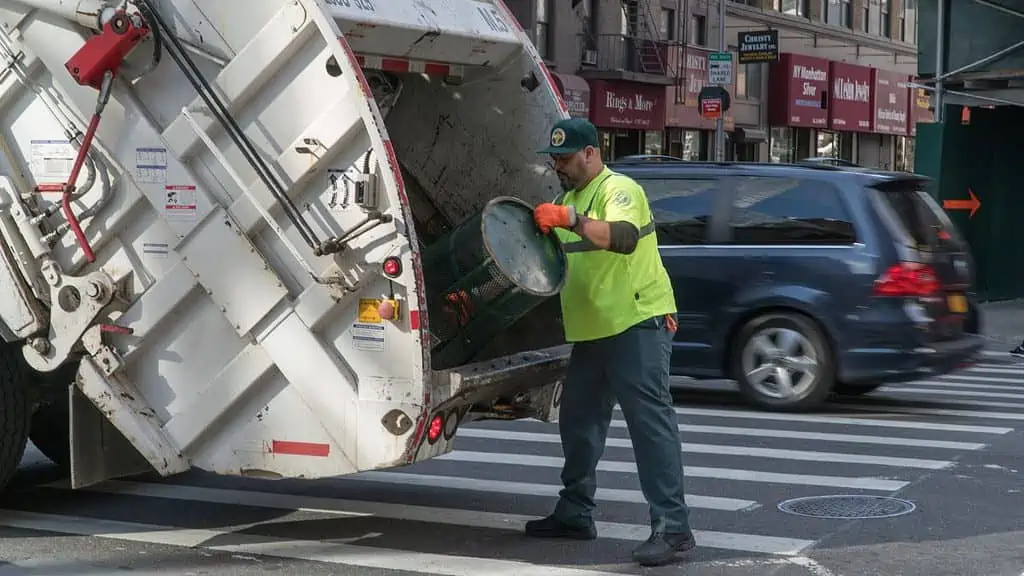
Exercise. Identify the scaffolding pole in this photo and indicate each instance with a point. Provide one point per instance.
(940, 60)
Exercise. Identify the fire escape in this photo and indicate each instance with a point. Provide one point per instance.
(637, 53)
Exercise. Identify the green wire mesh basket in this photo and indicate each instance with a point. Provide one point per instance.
(486, 274)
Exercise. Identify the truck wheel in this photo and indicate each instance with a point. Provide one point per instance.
(782, 361)
(50, 431)
(15, 411)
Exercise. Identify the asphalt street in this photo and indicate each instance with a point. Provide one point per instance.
(952, 447)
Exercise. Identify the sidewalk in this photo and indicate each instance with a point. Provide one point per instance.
(1003, 322)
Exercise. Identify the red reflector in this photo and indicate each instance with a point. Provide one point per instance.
(300, 448)
(414, 319)
(392, 266)
(436, 426)
(907, 279)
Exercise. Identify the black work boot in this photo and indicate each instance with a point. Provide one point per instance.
(551, 527)
(661, 548)
(1018, 351)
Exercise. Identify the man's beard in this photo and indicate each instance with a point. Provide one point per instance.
(565, 181)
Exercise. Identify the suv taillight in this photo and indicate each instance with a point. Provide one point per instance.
(908, 280)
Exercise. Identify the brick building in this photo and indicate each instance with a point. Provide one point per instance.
(635, 67)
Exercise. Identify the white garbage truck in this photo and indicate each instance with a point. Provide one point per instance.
(213, 218)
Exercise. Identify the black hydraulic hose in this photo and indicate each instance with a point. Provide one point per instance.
(245, 146)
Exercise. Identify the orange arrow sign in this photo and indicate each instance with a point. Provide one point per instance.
(971, 204)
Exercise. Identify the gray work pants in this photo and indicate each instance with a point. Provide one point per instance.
(633, 368)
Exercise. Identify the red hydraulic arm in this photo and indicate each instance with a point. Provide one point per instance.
(95, 65)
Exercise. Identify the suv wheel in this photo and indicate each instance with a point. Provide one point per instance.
(783, 362)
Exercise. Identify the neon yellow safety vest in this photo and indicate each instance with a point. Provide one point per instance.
(605, 292)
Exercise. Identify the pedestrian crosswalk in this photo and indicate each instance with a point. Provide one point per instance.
(461, 513)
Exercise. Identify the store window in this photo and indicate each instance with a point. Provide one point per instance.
(681, 208)
(653, 142)
(541, 29)
(748, 80)
(791, 7)
(782, 145)
(786, 211)
(834, 145)
(905, 154)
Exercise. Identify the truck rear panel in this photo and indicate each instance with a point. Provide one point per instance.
(265, 177)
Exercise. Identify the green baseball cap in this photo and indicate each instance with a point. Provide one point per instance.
(571, 135)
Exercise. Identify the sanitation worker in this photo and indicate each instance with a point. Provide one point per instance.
(619, 311)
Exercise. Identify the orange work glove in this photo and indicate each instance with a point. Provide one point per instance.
(548, 216)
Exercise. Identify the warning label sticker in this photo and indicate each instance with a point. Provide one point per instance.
(52, 160)
(369, 337)
(180, 202)
(151, 165)
(368, 311)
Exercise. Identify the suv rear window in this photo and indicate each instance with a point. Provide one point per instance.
(919, 216)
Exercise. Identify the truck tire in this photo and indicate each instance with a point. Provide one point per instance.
(15, 411)
(50, 432)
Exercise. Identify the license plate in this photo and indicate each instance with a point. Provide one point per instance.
(957, 303)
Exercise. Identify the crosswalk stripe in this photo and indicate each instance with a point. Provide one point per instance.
(847, 420)
(953, 392)
(726, 450)
(533, 489)
(1015, 370)
(966, 378)
(329, 552)
(979, 414)
(822, 436)
(862, 483)
(753, 543)
(955, 385)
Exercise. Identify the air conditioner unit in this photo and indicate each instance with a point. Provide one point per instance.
(590, 57)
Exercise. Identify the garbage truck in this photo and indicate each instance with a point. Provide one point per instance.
(221, 220)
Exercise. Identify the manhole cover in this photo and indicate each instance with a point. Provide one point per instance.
(847, 507)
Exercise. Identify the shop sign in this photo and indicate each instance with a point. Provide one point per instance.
(849, 107)
(627, 105)
(802, 85)
(758, 46)
(891, 102)
(920, 109)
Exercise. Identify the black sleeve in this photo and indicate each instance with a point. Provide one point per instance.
(624, 237)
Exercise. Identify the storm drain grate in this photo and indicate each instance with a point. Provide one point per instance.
(854, 507)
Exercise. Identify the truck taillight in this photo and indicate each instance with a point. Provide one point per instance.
(392, 267)
(435, 428)
(907, 279)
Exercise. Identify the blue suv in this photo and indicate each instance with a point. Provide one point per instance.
(801, 281)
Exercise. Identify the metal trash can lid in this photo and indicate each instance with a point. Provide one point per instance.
(532, 260)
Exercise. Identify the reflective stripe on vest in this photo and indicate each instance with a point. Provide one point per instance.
(585, 245)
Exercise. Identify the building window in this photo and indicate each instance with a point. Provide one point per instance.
(838, 12)
(541, 29)
(698, 30)
(791, 7)
(748, 80)
(884, 23)
(908, 21)
(667, 24)
(867, 19)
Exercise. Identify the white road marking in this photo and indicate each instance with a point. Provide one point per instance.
(726, 450)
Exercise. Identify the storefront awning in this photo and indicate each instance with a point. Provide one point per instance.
(750, 135)
(576, 93)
